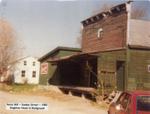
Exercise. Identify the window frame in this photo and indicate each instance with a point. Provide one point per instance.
(33, 74)
(121, 99)
(24, 63)
(100, 33)
(139, 97)
(23, 73)
(33, 63)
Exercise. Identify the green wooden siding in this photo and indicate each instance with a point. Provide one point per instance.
(45, 77)
(65, 53)
(107, 67)
(53, 70)
(138, 75)
(136, 69)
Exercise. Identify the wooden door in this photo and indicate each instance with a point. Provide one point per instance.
(120, 75)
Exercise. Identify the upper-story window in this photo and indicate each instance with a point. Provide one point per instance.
(25, 62)
(100, 33)
(33, 63)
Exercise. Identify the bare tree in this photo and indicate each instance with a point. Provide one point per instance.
(8, 48)
(138, 13)
(104, 8)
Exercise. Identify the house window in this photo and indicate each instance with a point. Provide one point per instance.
(23, 72)
(25, 62)
(34, 63)
(100, 33)
(34, 74)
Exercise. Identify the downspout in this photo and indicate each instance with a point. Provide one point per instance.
(82, 31)
(128, 7)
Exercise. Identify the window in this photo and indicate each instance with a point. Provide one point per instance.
(124, 100)
(34, 63)
(34, 74)
(100, 33)
(25, 62)
(23, 72)
(143, 104)
(129, 107)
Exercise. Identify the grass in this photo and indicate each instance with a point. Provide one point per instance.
(17, 87)
(29, 90)
(22, 87)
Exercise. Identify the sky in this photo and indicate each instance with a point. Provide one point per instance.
(42, 25)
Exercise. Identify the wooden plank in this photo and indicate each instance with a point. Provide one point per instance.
(87, 90)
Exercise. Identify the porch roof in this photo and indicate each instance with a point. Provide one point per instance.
(78, 56)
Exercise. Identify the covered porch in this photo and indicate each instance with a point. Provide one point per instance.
(77, 70)
(77, 73)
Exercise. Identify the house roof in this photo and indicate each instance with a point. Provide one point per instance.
(58, 49)
(22, 59)
(139, 34)
(139, 47)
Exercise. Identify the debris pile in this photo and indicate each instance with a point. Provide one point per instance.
(112, 97)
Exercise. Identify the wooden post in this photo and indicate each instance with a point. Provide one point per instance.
(82, 96)
(70, 93)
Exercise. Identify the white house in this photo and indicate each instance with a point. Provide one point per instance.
(27, 71)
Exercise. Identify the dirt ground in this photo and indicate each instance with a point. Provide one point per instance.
(57, 104)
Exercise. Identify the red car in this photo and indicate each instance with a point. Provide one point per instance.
(137, 102)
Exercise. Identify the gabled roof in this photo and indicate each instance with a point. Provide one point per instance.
(14, 62)
(58, 49)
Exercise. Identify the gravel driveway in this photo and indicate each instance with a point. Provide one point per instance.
(72, 105)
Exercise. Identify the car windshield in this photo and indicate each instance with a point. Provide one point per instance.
(143, 103)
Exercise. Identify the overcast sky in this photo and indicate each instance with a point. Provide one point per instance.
(42, 25)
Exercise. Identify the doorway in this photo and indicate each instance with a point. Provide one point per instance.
(120, 77)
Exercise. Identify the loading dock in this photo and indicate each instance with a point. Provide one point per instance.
(77, 70)
(78, 74)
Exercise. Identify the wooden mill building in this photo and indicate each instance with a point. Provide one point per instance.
(115, 53)
(49, 73)
(123, 46)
